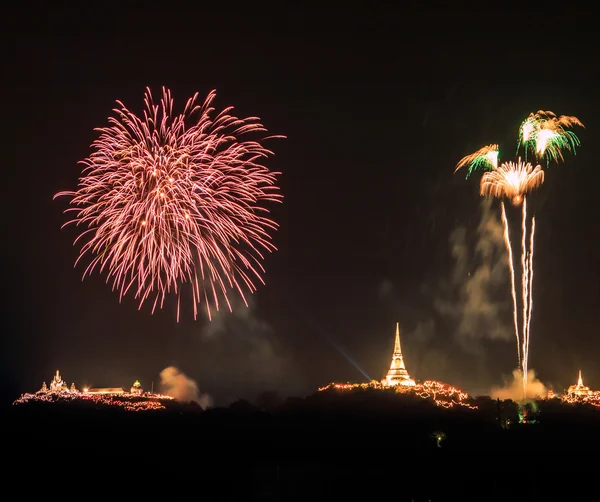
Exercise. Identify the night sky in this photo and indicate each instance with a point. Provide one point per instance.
(377, 106)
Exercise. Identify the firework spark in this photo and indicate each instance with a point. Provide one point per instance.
(485, 158)
(168, 201)
(511, 266)
(526, 297)
(527, 290)
(512, 180)
(547, 135)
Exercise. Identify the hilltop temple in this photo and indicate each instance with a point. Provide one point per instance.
(58, 385)
(397, 374)
(579, 389)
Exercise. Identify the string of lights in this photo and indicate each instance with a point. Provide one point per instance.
(127, 401)
(442, 394)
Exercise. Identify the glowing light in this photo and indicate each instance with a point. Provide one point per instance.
(447, 396)
(128, 402)
(170, 200)
(442, 394)
(135, 400)
(547, 135)
(512, 180)
(526, 297)
(579, 394)
(485, 158)
(593, 398)
(511, 267)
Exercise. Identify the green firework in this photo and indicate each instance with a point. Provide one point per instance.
(484, 159)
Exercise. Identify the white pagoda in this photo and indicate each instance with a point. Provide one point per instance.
(397, 374)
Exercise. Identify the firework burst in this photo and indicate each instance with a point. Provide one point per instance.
(485, 159)
(511, 180)
(167, 201)
(547, 136)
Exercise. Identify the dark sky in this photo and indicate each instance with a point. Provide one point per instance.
(378, 105)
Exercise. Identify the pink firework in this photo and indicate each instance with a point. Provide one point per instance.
(168, 201)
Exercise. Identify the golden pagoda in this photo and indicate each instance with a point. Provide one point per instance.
(579, 389)
(397, 374)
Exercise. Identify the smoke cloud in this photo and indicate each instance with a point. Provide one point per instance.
(513, 387)
(177, 385)
(429, 358)
(477, 295)
(243, 355)
(464, 315)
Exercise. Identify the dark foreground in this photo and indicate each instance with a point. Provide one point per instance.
(329, 447)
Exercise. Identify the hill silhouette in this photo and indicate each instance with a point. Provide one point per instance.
(327, 446)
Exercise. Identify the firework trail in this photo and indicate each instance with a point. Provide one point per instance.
(511, 267)
(527, 289)
(547, 136)
(530, 308)
(526, 298)
(526, 260)
(167, 201)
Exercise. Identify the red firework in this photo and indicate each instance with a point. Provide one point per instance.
(172, 200)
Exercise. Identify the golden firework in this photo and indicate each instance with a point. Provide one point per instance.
(512, 180)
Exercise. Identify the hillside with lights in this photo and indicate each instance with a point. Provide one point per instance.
(341, 431)
(316, 444)
(59, 396)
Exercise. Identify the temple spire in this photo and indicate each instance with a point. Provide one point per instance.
(579, 389)
(397, 349)
(397, 375)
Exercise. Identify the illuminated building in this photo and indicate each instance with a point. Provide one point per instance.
(579, 389)
(397, 374)
(135, 400)
(398, 378)
(58, 385)
(106, 390)
(136, 388)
